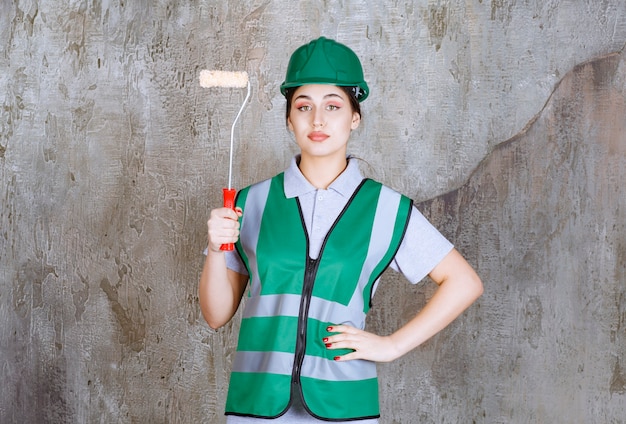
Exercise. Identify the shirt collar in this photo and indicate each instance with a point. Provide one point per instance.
(296, 184)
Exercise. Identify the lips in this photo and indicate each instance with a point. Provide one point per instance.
(318, 136)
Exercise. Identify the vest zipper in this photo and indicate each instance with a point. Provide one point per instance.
(310, 272)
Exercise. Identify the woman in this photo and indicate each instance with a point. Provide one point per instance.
(311, 245)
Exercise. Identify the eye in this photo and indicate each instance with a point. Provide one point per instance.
(333, 107)
(303, 108)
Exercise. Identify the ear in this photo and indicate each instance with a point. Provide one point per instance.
(289, 124)
(356, 120)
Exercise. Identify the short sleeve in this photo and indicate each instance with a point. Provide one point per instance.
(233, 262)
(422, 248)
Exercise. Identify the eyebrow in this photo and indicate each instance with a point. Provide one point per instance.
(304, 96)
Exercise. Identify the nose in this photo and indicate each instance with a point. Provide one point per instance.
(318, 120)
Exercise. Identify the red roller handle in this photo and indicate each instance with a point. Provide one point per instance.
(229, 202)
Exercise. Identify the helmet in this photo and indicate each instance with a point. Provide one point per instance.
(324, 61)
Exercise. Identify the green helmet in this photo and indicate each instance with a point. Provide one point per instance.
(324, 61)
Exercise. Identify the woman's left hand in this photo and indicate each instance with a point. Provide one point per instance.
(367, 346)
(459, 287)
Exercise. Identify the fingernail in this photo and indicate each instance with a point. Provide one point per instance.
(336, 358)
(328, 344)
(329, 328)
(325, 339)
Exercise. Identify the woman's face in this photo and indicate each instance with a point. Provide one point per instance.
(321, 119)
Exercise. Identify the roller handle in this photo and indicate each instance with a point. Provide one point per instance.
(229, 202)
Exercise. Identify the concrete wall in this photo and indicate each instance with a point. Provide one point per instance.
(505, 119)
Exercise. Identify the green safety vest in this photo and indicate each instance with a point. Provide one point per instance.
(292, 299)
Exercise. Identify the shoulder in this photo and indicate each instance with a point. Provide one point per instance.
(261, 189)
(376, 183)
(278, 178)
(386, 191)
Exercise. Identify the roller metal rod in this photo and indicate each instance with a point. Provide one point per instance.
(232, 138)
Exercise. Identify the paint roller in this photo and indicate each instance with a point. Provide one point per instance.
(226, 79)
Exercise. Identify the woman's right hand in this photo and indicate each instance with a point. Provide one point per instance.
(220, 289)
(223, 227)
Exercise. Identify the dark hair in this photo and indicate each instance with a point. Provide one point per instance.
(350, 91)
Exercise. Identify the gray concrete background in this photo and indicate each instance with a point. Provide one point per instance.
(505, 119)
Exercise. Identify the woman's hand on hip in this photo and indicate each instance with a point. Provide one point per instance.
(367, 346)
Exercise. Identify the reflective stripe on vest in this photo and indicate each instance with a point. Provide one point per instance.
(292, 299)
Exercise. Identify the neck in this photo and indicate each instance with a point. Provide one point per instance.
(321, 172)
